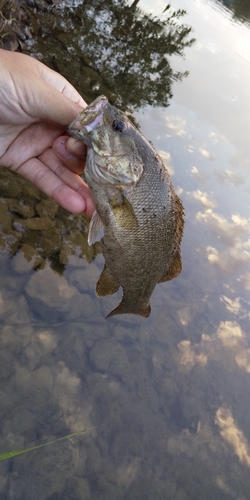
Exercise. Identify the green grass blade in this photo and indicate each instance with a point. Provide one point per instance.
(10, 454)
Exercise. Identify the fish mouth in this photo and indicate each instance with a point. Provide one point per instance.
(88, 120)
(75, 130)
(97, 105)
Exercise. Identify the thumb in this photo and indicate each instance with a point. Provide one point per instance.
(52, 105)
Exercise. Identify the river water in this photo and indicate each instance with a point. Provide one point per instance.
(169, 396)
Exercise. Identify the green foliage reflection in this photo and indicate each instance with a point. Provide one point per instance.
(119, 50)
(240, 8)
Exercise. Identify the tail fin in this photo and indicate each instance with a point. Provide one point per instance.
(124, 308)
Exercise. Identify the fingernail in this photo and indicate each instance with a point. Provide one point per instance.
(76, 147)
(62, 150)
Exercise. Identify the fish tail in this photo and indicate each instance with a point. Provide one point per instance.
(123, 308)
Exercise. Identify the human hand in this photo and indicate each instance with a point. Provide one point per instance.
(36, 105)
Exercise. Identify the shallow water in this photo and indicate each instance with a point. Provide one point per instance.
(171, 394)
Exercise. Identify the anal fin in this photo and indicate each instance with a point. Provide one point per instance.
(106, 285)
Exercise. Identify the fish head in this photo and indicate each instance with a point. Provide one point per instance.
(109, 135)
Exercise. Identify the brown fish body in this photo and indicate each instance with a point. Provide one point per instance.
(140, 214)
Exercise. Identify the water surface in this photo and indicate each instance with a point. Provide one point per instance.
(171, 394)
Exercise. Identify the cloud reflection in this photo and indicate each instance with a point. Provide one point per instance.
(166, 157)
(228, 175)
(232, 305)
(229, 336)
(245, 279)
(229, 332)
(202, 178)
(233, 435)
(229, 232)
(176, 124)
(217, 137)
(229, 260)
(206, 154)
(191, 355)
(204, 198)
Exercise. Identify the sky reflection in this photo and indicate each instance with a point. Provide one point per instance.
(169, 395)
(207, 118)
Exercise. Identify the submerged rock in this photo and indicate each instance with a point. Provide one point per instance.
(107, 355)
(16, 20)
(85, 278)
(14, 311)
(19, 207)
(52, 297)
(34, 223)
(47, 208)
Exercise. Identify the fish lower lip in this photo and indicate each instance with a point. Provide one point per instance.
(81, 135)
(76, 133)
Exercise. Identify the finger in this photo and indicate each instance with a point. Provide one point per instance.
(29, 143)
(76, 147)
(69, 178)
(60, 83)
(51, 105)
(48, 103)
(73, 196)
(42, 93)
(67, 156)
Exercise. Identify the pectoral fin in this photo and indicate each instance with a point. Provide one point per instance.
(173, 270)
(123, 211)
(106, 285)
(96, 229)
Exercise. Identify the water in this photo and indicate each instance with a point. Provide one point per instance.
(170, 395)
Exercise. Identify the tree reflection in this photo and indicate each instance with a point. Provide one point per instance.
(240, 8)
(119, 50)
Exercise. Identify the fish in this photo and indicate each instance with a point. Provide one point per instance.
(139, 218)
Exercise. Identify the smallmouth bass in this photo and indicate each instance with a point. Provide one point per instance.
(139, 217)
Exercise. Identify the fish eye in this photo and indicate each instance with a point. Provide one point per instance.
(118, 126)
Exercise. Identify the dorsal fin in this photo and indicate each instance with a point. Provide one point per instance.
(173, 270)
